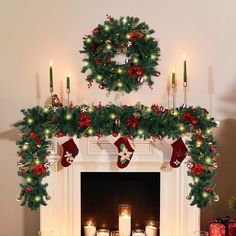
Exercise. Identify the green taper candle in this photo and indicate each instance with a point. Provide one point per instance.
(68, 83)
(185, 71)
(173, 78)
(51, 77)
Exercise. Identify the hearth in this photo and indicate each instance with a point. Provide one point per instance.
(103, 192)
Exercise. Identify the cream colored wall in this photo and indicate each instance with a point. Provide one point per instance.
(34, 32)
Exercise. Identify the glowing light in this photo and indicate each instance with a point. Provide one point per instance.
(128, 36)
(51, 63)
(208, 131)
(208, 160)
(140, 131)
(124, 20)
(198, 144)
(153, 57)
(45, 109)
(173, 69)
(86, 63)
(175, 113)
(90, 131)
(148, 36)
(37, 161)
(90, 109)
(88, 40)
(205, 194)
(28, 179)
(208, 117)
(108, 47)
(119, 84)
(68, 116)
(112, 116)
(30, 121)
(135, 60)
(107, 28)
(145, 77)
(37, 198)
(47, 131)
(184, 57)
(25, 146)
(181, 128)
(99, 77)
(119, 71)
(196, 180)
(149, 109)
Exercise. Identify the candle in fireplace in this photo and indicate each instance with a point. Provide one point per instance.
(151, 228)
(125, 220)
(138, 232)
(103, 232)
(89, 228)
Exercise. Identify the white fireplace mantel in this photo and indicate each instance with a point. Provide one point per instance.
(62, 215)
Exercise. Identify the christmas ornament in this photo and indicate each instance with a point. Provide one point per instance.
(133, 122)
(102, 46)
(84, 120)
(28, 189)
(125, 152)
(56, 101)
(179, 153)
(39, 169)
(197, 169)
(60, 134)
(32, 134)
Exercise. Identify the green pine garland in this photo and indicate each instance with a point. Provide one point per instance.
(126, 36)
(39, 124)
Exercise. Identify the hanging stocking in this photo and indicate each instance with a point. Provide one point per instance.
(125, 152)
(179, 153)
(70, 151)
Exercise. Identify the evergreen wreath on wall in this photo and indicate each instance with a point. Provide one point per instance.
(128, 37)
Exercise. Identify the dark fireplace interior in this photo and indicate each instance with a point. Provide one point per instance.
(102, 192)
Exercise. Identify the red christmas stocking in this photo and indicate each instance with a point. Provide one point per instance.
(179, 153)
(70, 151)
(125, 152)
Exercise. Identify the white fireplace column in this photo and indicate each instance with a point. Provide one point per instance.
(63, 214)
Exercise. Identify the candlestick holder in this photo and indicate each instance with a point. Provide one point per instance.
(68, 96)
(185, 93)
(115, 233)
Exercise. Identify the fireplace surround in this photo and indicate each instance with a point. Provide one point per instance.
(63, 213)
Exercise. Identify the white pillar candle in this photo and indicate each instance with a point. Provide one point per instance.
(138, 234)
(89, 230)
(150, 230)
(125, 225)
(103, 232)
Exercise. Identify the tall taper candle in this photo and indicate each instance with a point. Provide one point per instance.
(125, 220)
(185, 71)
(173, 86)
(51, 77)
(68, 83)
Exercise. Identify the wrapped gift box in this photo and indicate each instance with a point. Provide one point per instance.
(223, 227)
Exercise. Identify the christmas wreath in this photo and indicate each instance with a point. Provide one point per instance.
(39, 124)
(121, 54)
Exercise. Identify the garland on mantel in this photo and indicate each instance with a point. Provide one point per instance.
(42, 123)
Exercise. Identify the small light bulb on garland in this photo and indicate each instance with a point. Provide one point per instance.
(208, 131)
(208, 160)
(25, 146)
(149, 109)
(196, 180)
(112, 116)
(181, 128)
(145, 77)
(124, 20)
(119, 71)
(68, 116)
(140, 132)
(90, 109)
(198, 143)
(90, 131)
(88, 40)
(47, 131)
(135, 60)
(29, 179)
(37, 198)
(86, 63)
(128, 36)
(153, 57)
(148, 36)
(45, 109)
(205, 194)
(99, 77)
(30, 121)
(175, 113)
(108, 47)
(37, 161)
(208, 117)
(107, 28)
(119, 84)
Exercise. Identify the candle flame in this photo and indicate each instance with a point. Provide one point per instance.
(173, 69)
(185, 57)
(51, 63)
(69, 74)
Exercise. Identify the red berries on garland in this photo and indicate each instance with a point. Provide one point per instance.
(208, 189)
(28, 189)
(32, 134)
(189, 117)
(97, 62)
(84, 120)
(39, 169)
(197, 169)
(133, 122)
(96, 31)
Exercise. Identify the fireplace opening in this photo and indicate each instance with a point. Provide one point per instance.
(103, 192)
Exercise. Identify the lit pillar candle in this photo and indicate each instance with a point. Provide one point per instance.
(51, 77)
(125, 220)
(151, 228)
(89, 228)
(185, 71)
(138, 232)
(103, 232)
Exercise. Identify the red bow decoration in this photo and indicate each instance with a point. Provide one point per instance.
(189, 117)
(84, 120)
(135, 70)
(133, 122)
(135, 34)
(197, 169)
(155, 108)
(39, 169)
